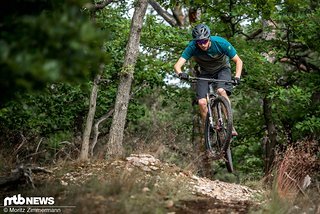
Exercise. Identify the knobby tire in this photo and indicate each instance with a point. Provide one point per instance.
(228, 160)
(225, 134)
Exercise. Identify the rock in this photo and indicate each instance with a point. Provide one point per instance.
(63, 183)
(145, 189)
(198, 185)
(144, 161)
(169, 203)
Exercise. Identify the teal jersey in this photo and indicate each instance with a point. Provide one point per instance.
(215, 58)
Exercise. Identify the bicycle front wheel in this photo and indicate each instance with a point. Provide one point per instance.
(222, 114)
(218, 129)
(211, 139)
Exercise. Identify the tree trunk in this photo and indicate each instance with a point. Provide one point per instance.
(163, 13)
(194, 14)
(272, 135)
(114, 145)
(84, 154)
(178, 14)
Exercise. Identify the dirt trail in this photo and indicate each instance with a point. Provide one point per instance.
(209, 205)
(206, 196)
(213, 196)
(192, 194)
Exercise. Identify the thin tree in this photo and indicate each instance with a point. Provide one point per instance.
(114, 146)
(85, 146)
(84, 154)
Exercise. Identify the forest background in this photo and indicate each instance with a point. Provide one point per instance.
(60, 60)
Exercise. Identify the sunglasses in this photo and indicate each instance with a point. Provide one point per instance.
(202, 41)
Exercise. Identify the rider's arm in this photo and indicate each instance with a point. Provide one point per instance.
(238, 63)
(231, 52)
(178, 66)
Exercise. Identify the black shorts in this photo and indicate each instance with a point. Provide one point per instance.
(223, 74)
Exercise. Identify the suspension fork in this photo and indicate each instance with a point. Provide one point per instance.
(218, 110)
(210, 111)
(219, 113)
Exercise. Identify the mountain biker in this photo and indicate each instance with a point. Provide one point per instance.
(212, 54)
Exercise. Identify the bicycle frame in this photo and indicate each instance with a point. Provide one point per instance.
(218, 123)
(212, 94)
(210, 97)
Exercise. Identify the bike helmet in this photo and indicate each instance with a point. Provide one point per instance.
(201, 31)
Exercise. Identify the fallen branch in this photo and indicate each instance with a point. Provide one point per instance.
(21, 175)
(34, 154)
(38, 145)
(21, 144)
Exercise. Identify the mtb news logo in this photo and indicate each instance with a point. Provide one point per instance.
(19, 200)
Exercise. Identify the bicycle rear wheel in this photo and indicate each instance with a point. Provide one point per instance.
(228, 160)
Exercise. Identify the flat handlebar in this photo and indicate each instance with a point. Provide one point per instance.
(211, 80)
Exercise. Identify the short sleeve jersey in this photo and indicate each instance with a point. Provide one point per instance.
(215, 58)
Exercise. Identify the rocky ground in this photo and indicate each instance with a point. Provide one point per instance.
(180, 191)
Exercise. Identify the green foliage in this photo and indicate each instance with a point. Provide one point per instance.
(293, 106)
(309, 126)
(301, 20)
(160, 106)
(163, 39)
(288, 102)
(55, 42)
(259, 78)
(55, 140)
(46, 113)
(46, 41)
(264, 7)
(248, 157)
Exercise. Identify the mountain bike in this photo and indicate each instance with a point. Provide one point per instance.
(218, 124)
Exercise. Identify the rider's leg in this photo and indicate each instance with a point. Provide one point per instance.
(201, 93)
(223, 93)
(203, 108)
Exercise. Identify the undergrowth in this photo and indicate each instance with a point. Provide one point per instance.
(116, 189)
(295, 184)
